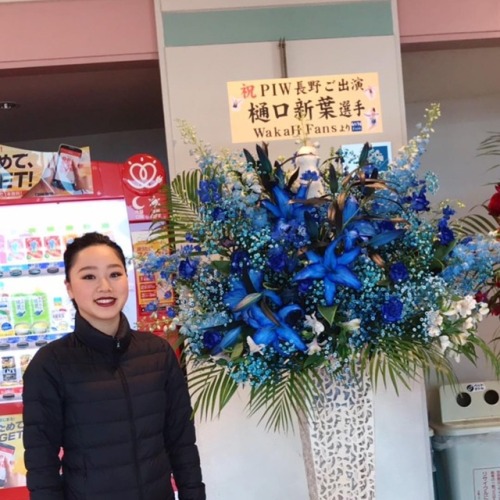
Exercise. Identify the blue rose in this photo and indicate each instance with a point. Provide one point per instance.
(187, 268)
(305, 285)
(211, 338)
(238, 258)
(209, 192)
(419, 202)
(446, 236)
(392, 310)
(398, 272)
(218, 214)
(277, 259)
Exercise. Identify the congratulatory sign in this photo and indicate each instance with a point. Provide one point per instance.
(310, 106)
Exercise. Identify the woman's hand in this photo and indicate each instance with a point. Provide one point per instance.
(12, 479)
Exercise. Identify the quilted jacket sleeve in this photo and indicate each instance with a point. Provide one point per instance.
(180, 438)
(43, 421)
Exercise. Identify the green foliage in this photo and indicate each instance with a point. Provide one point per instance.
(490, 147)
(184, 205)
(211, 389)
(474, 224)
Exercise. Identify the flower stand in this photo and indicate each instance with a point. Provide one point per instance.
(338, 443)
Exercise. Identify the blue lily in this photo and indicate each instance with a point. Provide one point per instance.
(283, 209)
(332, 268)
(270, 332)
(362, 230)
(240, 297)
(228, 340)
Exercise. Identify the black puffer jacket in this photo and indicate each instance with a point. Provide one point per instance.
(120, 410)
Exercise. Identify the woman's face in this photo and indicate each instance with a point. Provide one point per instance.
(98, 284)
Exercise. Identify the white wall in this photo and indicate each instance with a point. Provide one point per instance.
(466, 82)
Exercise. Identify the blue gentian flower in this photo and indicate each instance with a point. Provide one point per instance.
(446, 235)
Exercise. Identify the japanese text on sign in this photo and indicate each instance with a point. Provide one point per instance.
(311, 106)
(21, 171)
(487, 484)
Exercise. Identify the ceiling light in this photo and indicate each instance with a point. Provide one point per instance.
(8, 105)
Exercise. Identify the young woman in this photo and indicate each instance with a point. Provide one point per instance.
(107, 414)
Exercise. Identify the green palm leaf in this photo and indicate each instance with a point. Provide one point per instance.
(211, 389)
(184, 205)
(398, 361)
(474, 224)
(490, 147)
(294, 393)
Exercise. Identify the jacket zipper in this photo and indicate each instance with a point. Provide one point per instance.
(133, 430)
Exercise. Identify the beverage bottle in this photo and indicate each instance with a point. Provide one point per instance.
(40, 315)
(21, 315)
(6, 326)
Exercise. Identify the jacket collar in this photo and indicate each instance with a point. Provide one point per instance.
(95, 339)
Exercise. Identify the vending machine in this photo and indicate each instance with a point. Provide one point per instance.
(120, 200)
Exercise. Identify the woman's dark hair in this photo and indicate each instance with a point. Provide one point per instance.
(85, 241)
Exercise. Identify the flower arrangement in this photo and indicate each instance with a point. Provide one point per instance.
(302, 267)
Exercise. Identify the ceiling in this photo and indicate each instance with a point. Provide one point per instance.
(69, 101)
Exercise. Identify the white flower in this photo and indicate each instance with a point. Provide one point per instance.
(483, 311)
(465, 306)
(253, 346)
(313, 347)
(461, 339)
(312, 322)
(352, 325)
(468, 324)
(444, 342)
(435, 323)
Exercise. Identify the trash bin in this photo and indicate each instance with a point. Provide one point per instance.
(466, 443)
